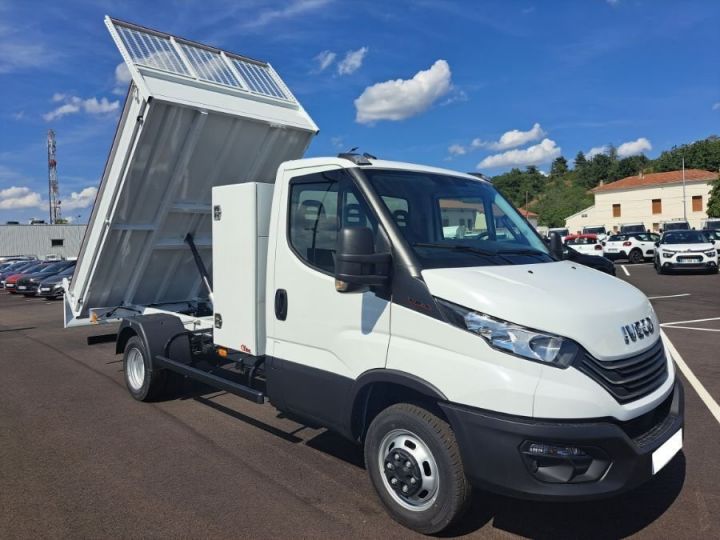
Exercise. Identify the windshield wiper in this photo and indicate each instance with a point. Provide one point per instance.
(456, 247)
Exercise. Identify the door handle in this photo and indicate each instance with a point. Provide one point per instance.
(281, 304)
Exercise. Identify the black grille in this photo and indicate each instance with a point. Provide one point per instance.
(629, 378)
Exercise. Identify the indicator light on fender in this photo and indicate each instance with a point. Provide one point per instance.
(222, 353)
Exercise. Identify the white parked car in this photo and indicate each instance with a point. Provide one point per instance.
(714, 236)
(686, 250)
(636, 248)
(588, 244)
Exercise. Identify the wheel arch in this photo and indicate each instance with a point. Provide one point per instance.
(155, 331)
(377, 389)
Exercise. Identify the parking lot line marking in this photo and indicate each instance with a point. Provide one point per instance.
(710, 403)
(625, 269)
(668, 296)
(670, 324)
(694, 328)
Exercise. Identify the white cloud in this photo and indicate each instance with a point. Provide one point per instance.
(513, 138)
(595, 150)
(457, 150)
(80, 200)
(19, 51)
(544, 151)
(337, 142)
(15, 198)
(122, 79)
(632, 148)
(613, 2)
(352, 61)
(19, 115)
(292, 9)
(716, 106)
(325, 59)
(402, 98)
(74, 104)
(62, 110)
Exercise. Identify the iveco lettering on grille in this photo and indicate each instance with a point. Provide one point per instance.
(637, 330)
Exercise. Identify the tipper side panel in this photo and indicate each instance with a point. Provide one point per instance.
(178, 137)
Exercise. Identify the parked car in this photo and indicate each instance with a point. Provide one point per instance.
(675, 225)
(597, 262)
(13, 274)
(28, 284)
(562, 231)
(15, 258)
(636, 248)
(711, 223)
(587, 244)
(52, 287)
(11, 268)
(686, 250)
(632, 228)
(714, 235)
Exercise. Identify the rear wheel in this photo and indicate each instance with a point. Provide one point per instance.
(143, 381)
(414, 464)
(636, 256)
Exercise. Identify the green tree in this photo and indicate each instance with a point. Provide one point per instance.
(704, 154)
(713, 205)
(559, 166)
(580, 161)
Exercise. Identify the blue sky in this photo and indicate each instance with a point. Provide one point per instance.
(470, 85)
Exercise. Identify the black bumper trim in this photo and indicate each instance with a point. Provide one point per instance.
(490, 443)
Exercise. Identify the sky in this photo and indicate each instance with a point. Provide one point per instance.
(482, 85)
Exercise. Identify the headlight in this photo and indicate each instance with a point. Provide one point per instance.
(512, 338)
(711, 253)
(668, 254)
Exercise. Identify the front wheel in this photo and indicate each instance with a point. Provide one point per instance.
(415, 466)
(658, 267)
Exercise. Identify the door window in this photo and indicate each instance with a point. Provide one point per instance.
(320, 204)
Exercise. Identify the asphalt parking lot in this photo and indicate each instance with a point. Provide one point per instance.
(80, 458)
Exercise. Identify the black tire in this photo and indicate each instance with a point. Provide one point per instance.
(636, 256)
(452, 492)
(658, 267)
(153, 384)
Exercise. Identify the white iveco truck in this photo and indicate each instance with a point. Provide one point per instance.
(330, 287)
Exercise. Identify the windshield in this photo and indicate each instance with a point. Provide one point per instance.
(713, 224)
(685, 237)
(451, 221)
(594, 230)
(632, 228)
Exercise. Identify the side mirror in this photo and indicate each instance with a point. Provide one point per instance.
(556, 247)
(356, 262)
(657, 244)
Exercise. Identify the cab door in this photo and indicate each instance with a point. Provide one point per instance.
(319, 340)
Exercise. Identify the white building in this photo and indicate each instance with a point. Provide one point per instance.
(41, 241)
(650, 199)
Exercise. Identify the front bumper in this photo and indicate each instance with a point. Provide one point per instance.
(26, 288)
(676, 262)
(50, 292)
(491, 446)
